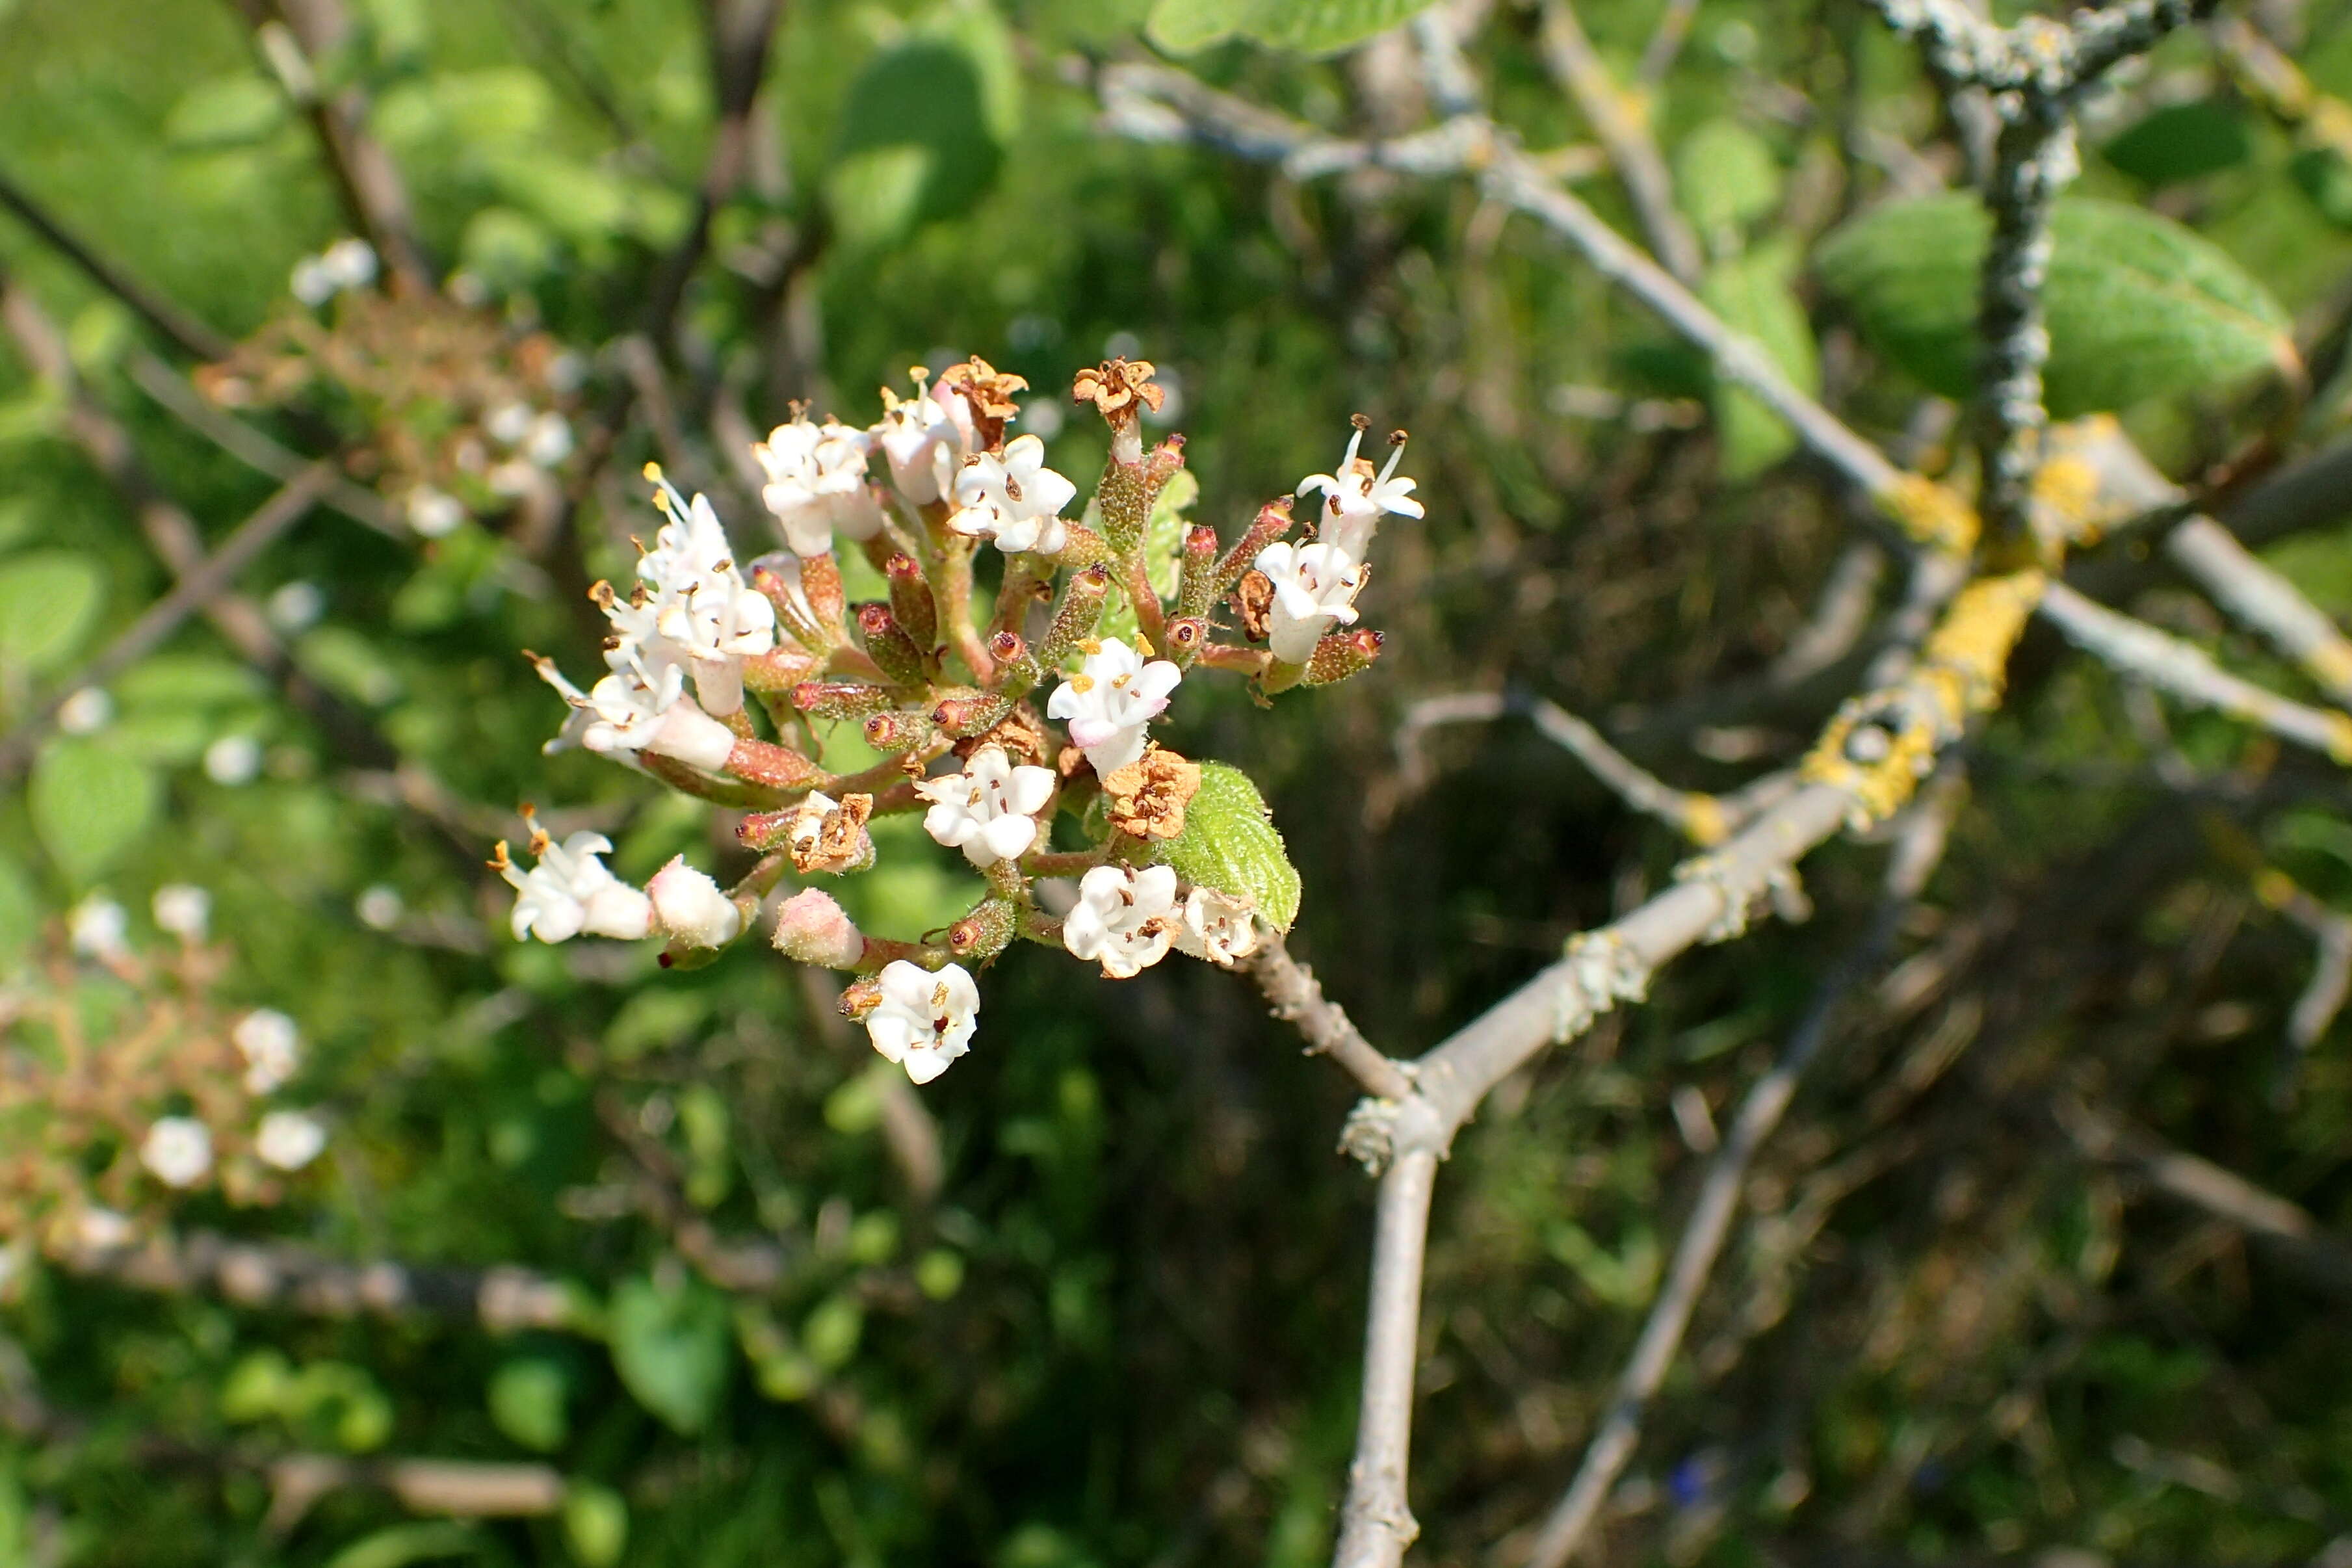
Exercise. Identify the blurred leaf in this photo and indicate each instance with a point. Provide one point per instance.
(1308, 26)
(53, 598)
(2324, 175)
(1230, 843)
(506, 106)
(187, 681)
(1725, 177)
(256, 1387)
(2181, 142)
(832, 1331)
(167, 735)
(915, 142)
(226, 112)
(2139, 306)
(669, 1345)
(90, 804)
(505, 248)
(527, 1400)
(938, 1273)
(1752, 293)
(595, 1524)
(977, 29)
(1163, 535)
(406, 1543)
(99, 335)
(20, 911)
(341, 658)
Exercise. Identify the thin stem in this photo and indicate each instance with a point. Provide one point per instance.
(1297, 998)
(189, 336)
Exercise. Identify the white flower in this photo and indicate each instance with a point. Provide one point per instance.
(923, 440)
(1015, 500)
(295, 606)
(350, 263)
(178, 1150)
(98, 926)
(104, 1229)
(570, 891)
(1124, 918)
(271, 1047)
(434, 514)
(1356, 498)
(1217, 927)
(310, 282)
(508, 424)
(549, 441)
(86, 712)
(816, 483)
(289, 1140)
(692, 907)
(642, 706)
(183, 910)
(990, 810)
(1112, 701)
(233, 760)
(925, 1020)
(1315, 587)
(699, 602)
(380, 907)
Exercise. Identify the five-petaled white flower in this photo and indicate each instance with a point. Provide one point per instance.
(178, 1150)
(692, 907)
(1124, 919)
(1111, 701)
(1315, 587)
(816, 483)
(642, 706)
(1217, 926)
(923, 438)
(1015, 500)
(570, 891)
(289, 1140)
(990, 810)
(925, 1019)
(271, 1047)
(699, 602)
(1356, 498)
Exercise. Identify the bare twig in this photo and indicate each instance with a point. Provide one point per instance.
(2188, 673)
(254, 448)
(1917, 850)
(1619, 122)
(740, 35)
(1376, 1523)
(189, 336)
(1297, 998)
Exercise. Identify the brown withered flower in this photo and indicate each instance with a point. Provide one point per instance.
(1147, 797)
(989, 391)
(1020, 733)
(830, 836)
(1253, 603)
(1116, 387)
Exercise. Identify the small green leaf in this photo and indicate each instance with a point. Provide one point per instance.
(595, 1524)
(1230, 843)
(187, 681)
(917, 141)
(226, 112)
(1725, 177)
(832, 1331)
(53, 598)
(1181, 27)
(90, 804)
(1752, 293)
(669, 1345)
(527, 1401)
(2138, 307)
(406, 1543)
(2181, 142)
(2323, 176)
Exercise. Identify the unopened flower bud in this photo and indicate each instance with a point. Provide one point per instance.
(778, 670)
(692, 737)
(984, 933)
(1272, 522)
(969, 713)
(888, 644)
(860, 997)
(691, 908)
(1082, 603)
(764, 763)
(898, 730)
(1338, 657)
(821, 582)
(837, 699)
(912, 602)
(1186, 637)
(812, 928)
(1197, 587)
(1017, 671)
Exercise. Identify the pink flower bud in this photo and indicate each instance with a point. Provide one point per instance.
(691, 908)
(813, 929)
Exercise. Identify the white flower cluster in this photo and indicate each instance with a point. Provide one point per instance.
(177, 1150)
(349, 264)
(1315, 585)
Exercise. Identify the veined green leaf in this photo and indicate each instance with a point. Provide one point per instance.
(1230, 843)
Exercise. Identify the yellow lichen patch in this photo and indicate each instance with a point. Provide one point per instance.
(1930, 513)
(1704, 822)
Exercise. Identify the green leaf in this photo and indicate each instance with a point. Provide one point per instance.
(187, 681)
(2181, 142)
(53, 598)
(595, 1524)
(1752, 293)
(20, 913)
(1163, 534)
(406, 1543)
(2323, 176)
(1307, 27)
(669, 1345)
(915, 144)
(2139, 306)
(226, 112)
(1725, 177)
(527, 1402)
(89, 805)
(1230, 843)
